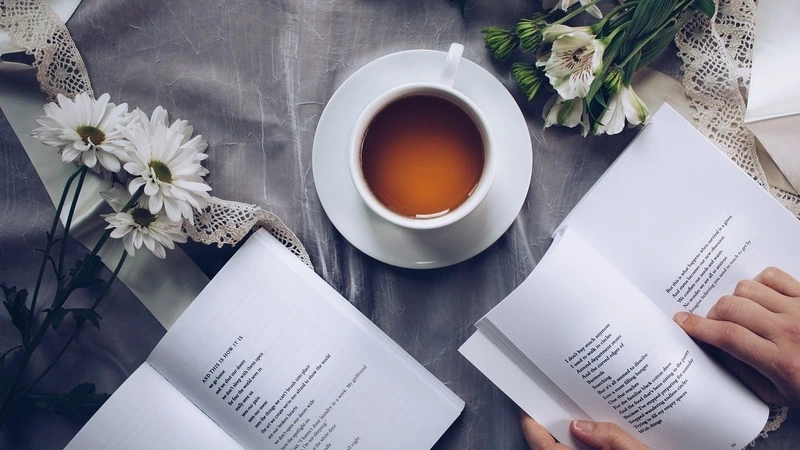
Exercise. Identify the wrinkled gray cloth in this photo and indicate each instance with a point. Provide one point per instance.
(253, 77)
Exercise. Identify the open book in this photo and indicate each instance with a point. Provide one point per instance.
(269, 356)
(672, 225)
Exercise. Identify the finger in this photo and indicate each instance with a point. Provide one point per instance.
(780, 281)
(536, 435)
(604, 435)
(733, 338)
(753, 379)
(746, 313)
(762, 294)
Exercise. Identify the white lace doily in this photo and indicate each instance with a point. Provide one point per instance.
(717, 58)
(34, 27)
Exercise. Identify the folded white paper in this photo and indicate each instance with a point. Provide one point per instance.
(773, 107)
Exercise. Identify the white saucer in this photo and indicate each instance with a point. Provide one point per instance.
(383, 240)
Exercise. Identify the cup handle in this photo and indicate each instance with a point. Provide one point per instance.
(451, 64)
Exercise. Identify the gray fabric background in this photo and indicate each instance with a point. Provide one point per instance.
(253, 77)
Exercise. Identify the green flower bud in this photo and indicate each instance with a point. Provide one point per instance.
(500, 41)
(613, 80)
(529, 32)
(528, 77)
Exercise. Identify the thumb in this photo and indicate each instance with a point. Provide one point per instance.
(604, 436)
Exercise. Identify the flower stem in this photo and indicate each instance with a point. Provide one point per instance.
(68, 223)
(576, 12)
(607, 40)
(61, 296)
(50, 240)
(78, 325)
(620, 19)
(626, 6)
(96, 249)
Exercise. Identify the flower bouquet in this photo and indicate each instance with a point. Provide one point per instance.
(156, 183)
(590, 67)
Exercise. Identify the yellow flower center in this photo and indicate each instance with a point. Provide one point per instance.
(161, 171)
(90, 134)
(143, 217)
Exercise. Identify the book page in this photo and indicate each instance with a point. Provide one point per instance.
(682, 221)
(619, 357)
(147, 412)
(536, 400)
(281, 361)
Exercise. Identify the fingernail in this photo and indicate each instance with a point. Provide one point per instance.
(586, 426)
(680, 317)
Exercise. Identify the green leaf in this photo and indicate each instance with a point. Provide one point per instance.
(648, 16)
(80, 315)
(630, 68)
(87, 282)
(57, 316)
(594, 88)
(661, 41)
(83, 314)
(79, 403)
(82, 274)
(90, 262)
(705, 7)
(613, 48)
(18, 310)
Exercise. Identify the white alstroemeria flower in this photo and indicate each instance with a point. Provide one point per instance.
(138, 226)
(574, 60)
(625, 104)
(86, 130)
(166, 161)
(566, 4)
(558, 111)
(556, 30)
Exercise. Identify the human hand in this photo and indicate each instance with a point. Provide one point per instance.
(598, 435)
(759, 327)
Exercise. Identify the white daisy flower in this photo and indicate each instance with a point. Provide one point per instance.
(625, 104)
(566, 4)
(85, 129)
(574, 60)
(138, 226)
(182, 127)
(166, 161)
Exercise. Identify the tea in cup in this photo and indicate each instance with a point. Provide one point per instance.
(421, 154)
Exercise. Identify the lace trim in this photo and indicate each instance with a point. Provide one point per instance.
(777, 415)
(35, 27)
(717, 58)
(226, 222)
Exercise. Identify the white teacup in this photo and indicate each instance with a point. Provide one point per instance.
(444, 90)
